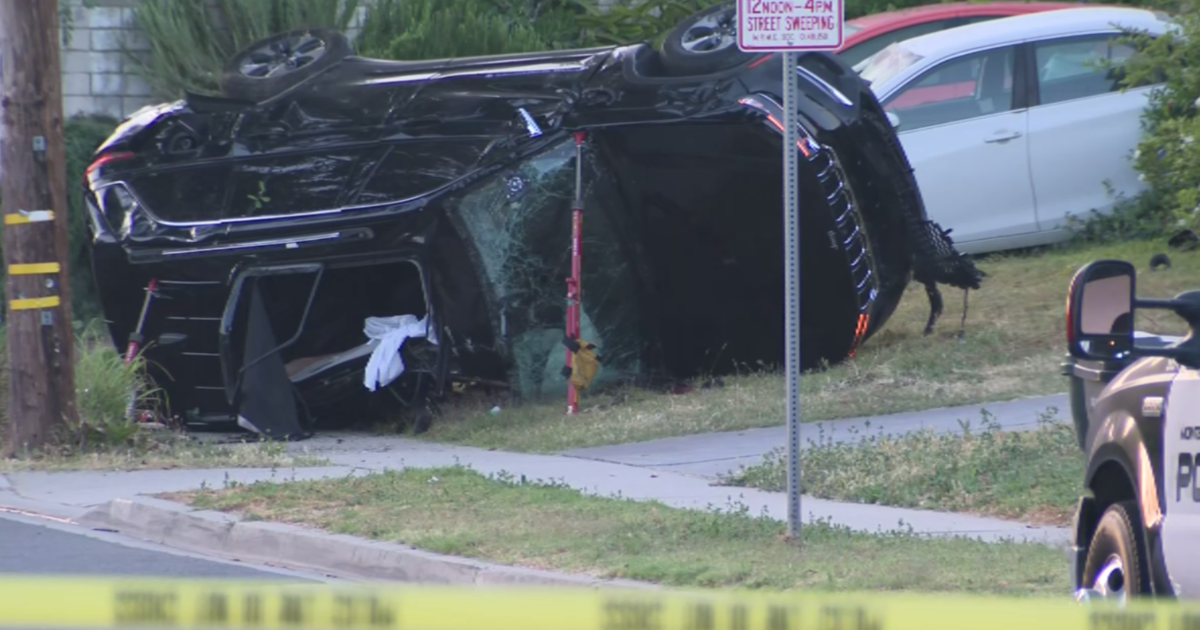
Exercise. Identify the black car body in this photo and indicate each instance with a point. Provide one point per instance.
(274, 222)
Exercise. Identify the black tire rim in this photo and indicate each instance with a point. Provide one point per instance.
(285, 55)
(711, 33)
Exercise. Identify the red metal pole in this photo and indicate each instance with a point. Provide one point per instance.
(135, 338)
(573, 283)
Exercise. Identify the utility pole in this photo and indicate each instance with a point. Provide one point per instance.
(33, 201)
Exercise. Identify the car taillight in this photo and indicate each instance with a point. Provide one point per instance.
(105, 158)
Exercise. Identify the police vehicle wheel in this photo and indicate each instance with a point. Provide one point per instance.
(1116, 565)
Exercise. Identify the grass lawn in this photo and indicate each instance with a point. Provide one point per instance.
(1032, 476)
(1012, 347)
(458, 511)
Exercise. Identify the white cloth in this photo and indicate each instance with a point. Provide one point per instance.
(386, 364)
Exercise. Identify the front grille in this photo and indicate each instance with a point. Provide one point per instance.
(851, 231)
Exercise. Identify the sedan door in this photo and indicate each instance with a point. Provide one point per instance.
(1082, 129)
(969, 146)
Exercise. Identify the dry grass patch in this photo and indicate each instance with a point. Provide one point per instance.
(165, 451)
(1011, 348)
(501, 519)
(1032, 476)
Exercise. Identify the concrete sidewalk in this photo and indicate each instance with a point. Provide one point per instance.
(658, 470)
(72, 494)
(715, 455)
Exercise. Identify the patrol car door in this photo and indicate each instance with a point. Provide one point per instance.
(1181, 467)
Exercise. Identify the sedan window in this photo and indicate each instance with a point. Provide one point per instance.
(959, 89)
(887, 63)
(1080, 67)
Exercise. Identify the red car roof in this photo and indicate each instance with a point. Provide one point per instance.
(879, 23)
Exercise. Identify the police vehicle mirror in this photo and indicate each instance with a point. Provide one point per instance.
(1100, 307)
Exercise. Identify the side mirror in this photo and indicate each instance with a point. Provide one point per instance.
(1100, 307)
(894, 119)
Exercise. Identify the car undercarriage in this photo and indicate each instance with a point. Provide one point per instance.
(271, 250)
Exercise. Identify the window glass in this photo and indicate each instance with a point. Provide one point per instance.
(1080, 67)
(958, 89)
(858, 52)
(889, 62)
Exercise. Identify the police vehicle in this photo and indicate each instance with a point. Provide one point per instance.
(1135, 401)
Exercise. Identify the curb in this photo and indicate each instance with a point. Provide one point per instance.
(210, 532)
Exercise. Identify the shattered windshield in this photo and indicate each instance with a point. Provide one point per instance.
(881, 67)
(520, 225)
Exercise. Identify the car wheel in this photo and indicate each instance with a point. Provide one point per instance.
(270, 66)
(704, 43)
(1116, 567)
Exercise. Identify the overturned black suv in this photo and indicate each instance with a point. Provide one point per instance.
(251, 239)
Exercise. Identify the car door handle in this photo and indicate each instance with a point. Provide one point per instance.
(1003, 136)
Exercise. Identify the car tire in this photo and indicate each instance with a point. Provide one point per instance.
(278, 63)
(1116, 563)
(704, 43)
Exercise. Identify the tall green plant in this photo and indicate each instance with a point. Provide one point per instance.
(103, 382)
(191, 40)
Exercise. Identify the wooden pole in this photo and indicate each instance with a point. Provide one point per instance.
(33, 194)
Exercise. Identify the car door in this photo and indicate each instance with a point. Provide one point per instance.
(1181, 459)
(1082, 128)
(968, 145)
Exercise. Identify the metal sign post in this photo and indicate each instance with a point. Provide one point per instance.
(789, 27)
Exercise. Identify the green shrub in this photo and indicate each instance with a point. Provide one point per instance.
(190, 40)
(628, 21)
(81, 136)
(1168, 156)
(1143, 216)
(434, 29)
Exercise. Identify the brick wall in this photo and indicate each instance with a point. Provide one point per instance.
(97, 76)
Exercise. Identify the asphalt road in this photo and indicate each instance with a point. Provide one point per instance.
(30, 545)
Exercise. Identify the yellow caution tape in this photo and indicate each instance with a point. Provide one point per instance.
(31, 216)
(27, 304)
(33, 268)
(35, 602)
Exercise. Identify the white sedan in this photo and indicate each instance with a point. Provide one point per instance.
(1013, 124)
